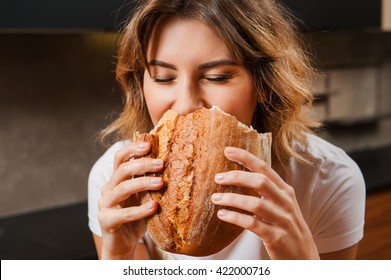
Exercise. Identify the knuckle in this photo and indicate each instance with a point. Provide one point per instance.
(280, 241)
(121, 169)
(291, 192)
(144, 183)
(258, 206)
(273, 244)
(291, 225)
(104, 192)
(104, 220)
(290, 221)
(260, 181)
(289, 195)
(252, 223)
(262, 164)
(277, 240)
(290, 209)
(120, 190)
(118, 157)
(253, 161)
(103, 200)
(117, 154)
(100, 205)
(137, 166)
(128, 215)
(234, 176)
(128, 167)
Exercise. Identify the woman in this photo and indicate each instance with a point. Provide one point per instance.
(243, 57)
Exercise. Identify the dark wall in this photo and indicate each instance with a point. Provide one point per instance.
(337, 14)
(109, 15)
(56, 92)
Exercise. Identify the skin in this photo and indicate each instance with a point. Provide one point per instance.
(204, 74)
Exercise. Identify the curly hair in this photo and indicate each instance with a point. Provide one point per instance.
(261, 36)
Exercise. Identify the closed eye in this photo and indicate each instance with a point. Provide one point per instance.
(218, 78)
(163, 80)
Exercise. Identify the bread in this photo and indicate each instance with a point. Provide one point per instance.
(192, 148)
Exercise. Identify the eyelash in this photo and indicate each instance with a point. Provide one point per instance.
(163, 81)
(218, 79)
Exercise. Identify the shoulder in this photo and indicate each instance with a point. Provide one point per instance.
(332, 179)
(320, 149)
(324, 157)
(333, 162)
(338, 176)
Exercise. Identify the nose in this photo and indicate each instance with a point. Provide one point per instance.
(188, 97)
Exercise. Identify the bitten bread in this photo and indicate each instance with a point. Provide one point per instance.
(192, 148)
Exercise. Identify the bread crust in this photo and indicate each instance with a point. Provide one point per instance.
(192, 148)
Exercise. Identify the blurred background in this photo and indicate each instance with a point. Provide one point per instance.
(58, 89)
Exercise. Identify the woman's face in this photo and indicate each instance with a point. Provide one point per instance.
(190, 68)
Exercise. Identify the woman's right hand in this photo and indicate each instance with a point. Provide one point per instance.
(120, 212)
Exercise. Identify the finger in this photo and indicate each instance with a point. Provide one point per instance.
(259, 227)
(253, 163)
(262, 208)
(135, 167)
(130, 187)
(112, 218)
(259, 182)
(133, 149)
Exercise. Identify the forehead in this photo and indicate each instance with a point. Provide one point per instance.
(185, 34)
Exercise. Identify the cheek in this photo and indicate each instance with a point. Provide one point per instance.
(153, 109)
(151, 99)
(243, 111)
(157, 100)
(240, 102)
(246, 102)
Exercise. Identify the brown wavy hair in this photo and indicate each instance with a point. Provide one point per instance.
(261, 36)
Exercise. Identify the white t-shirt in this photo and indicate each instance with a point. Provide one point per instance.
(331, 195)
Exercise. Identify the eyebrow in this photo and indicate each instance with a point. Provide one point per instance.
(155, 62)
(210, 64)
(215, 63)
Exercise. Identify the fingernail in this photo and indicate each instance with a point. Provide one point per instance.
(142, 145)
(216, 197)
(156, 181)
(230, 150)
(222, 213)
(219, 177)
(157, 162)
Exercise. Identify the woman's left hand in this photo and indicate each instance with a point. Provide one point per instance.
(276, 219)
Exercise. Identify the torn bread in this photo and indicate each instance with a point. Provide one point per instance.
(192, 148)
